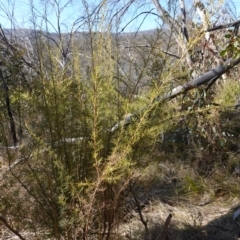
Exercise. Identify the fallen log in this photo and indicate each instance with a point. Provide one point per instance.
(206, 78)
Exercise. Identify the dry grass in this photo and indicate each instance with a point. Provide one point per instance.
(201, 199)
(202, 206)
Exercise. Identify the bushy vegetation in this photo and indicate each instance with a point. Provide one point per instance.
(85, 122)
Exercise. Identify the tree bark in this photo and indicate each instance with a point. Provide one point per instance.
(9, 109)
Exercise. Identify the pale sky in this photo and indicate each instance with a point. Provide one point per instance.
(23, 12)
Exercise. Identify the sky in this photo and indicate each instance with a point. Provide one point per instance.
(23, 16)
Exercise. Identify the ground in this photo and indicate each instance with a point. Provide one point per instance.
(202, 203)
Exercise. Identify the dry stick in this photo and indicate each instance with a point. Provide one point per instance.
(148, 46)
(139, 210)
(11, 229)
(165, 228)
(228, 25)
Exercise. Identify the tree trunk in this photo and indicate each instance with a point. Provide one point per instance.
(9, 109)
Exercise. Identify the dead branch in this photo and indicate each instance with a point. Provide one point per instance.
(139, 210)
(204, 79)
(164, 234)
(228, 25)
(3, 220)
(147, 46)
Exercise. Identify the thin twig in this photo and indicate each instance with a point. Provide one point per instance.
(147, 46)
(228, 25)
(11, 229)
(139, 210)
